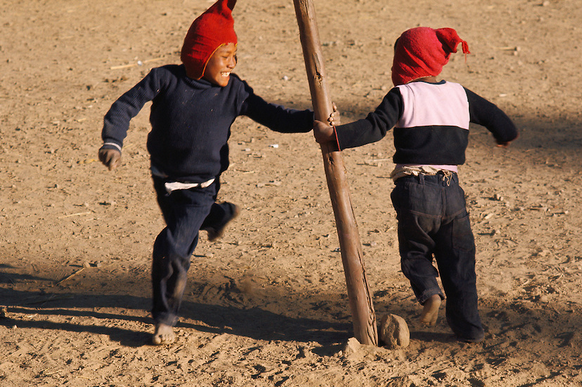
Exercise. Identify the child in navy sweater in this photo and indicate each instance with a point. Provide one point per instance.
(431, 128)
(193, 107)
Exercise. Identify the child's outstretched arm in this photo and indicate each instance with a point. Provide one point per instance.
(363, 131)
(276, 117)
(487, 114)
(116, 121)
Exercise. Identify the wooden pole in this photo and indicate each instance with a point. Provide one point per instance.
(362, 308)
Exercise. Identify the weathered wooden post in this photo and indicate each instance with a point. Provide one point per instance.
(361, 305)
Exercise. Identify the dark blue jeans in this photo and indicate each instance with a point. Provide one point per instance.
(185, 212)
(433, 221)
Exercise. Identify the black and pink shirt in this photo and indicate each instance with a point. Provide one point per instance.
(430, 121)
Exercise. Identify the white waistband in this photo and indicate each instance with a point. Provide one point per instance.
(402, 170)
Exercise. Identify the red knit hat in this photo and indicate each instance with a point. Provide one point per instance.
(208, 32)
(422, 52)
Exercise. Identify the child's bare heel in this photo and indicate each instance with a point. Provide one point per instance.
(430, 311)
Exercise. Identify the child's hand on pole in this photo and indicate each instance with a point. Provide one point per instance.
(111, 158)
(334, 117)
(323, 132)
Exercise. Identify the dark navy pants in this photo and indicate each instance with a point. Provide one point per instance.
(185, 213)
(433, 222)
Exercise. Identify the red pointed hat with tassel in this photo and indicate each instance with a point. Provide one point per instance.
(212, 29)
(422, 52)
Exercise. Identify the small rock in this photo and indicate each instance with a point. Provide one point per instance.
(352, 346)
(394, 332)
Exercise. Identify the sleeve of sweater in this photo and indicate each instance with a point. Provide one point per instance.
(375, 126)
(276, 117)
(485, 113)
(116, 121)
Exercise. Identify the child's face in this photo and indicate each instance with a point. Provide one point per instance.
(220, 65)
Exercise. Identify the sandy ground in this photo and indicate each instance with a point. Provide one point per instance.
(267, 305)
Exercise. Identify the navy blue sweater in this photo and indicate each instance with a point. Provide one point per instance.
(431, 123)
(191, 120)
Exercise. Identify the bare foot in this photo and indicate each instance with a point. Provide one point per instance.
(163, 335)
(430, 311)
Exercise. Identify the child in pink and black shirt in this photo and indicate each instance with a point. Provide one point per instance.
(431, 129)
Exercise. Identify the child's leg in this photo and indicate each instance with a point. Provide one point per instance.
(184, 211)
(169, 276)
(220, 215)
(455, 254)
(416, 259)
(418, 206)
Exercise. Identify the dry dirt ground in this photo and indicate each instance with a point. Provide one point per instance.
(267, 304)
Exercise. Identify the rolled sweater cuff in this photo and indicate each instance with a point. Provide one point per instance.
(111, 145)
